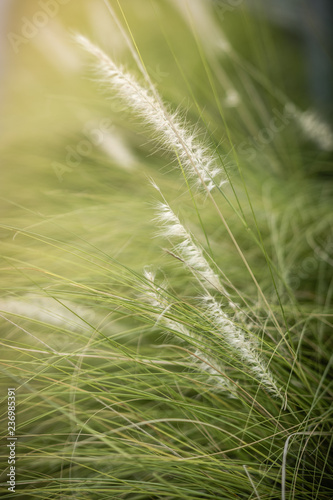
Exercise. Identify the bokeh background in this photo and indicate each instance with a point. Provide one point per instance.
(75, 199)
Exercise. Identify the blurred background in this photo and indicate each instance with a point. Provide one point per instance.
(309, 22)
(305, 24)
(38, 60)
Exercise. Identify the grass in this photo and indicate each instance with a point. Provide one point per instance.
(168, 335)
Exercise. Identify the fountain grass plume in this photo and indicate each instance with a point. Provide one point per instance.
(194, 156)
(188, 250)
(244, 347)
(206, 363)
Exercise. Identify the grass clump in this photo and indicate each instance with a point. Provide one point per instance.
(165, 313)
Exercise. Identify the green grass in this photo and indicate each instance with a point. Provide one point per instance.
(115, 399)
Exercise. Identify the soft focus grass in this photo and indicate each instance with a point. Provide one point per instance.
(109, 401)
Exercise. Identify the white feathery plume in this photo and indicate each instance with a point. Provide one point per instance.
(157, 299)
(194, 156)
(245, 347)
(315, 129)
(205, 363)
(209, 365)
(312, 125)
(192, 256)
(53, 44)
(47, 310)
(114, 145)
(232, 98)
(190, 253)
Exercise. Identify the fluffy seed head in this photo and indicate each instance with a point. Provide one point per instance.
(188, 250)
(205, 363)
(194, 156)
(245, 348)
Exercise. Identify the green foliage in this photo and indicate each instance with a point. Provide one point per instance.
(128, 387)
